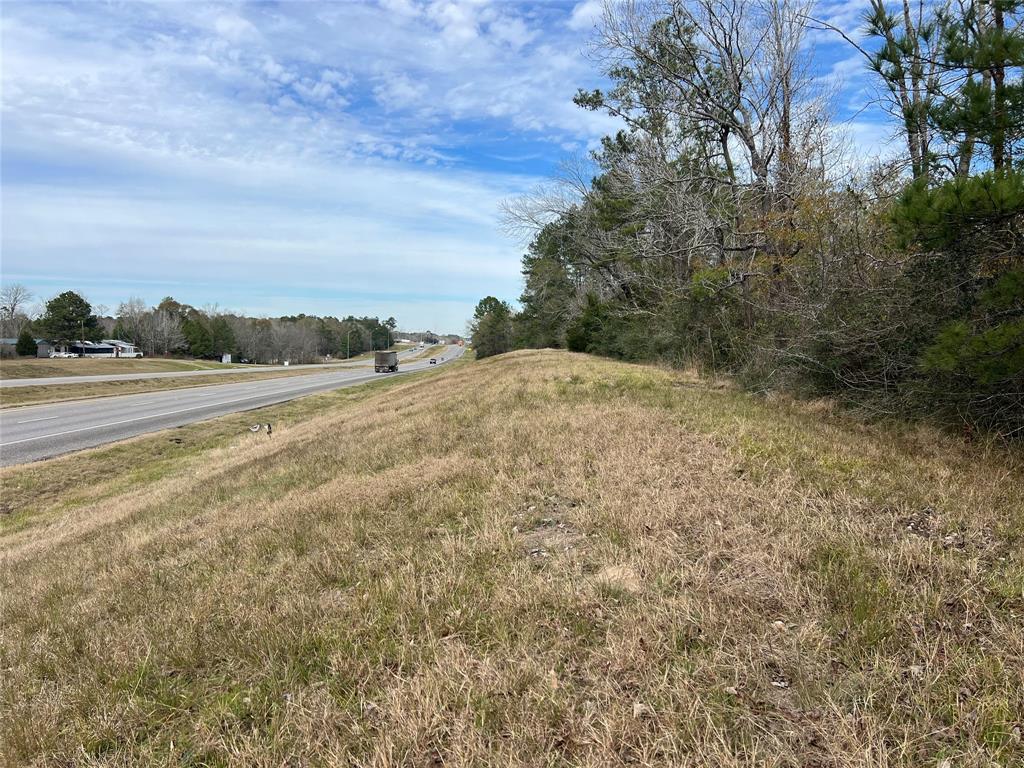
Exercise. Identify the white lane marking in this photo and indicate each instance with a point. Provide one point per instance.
(144, 418)
(44, 418)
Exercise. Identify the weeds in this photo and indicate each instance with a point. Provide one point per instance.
(538, 559)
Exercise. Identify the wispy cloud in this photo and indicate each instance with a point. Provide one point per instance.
(289, 156)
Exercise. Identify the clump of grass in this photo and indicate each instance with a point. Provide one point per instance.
(539, 558)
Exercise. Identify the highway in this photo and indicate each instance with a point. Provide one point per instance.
(43, 381)
(42, 431)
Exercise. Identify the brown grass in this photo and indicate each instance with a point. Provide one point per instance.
(33, 367)
(53, 393)
(539, 559)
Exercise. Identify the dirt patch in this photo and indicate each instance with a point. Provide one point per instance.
(545, 528)
(921, 523)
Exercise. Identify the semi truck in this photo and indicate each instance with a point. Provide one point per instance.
(385, 362)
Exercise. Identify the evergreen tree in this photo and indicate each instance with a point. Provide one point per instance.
(222, 338)
(26, 346)
(69, 317)
(491, 328)
(197, 336)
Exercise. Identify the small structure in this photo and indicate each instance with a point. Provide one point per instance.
(43, 347)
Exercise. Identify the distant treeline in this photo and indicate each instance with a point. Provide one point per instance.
(722, 226)
(174, 328)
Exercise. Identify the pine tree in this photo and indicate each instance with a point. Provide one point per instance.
(26, 346)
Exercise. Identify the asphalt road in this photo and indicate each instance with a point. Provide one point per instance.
(43, 381)
(42, 431)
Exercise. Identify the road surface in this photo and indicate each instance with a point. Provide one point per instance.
(42, 381)
(41, 431)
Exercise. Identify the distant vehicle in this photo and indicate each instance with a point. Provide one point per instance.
(385, 362)
(433, 361)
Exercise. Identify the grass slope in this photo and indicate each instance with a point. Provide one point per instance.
(539, 559)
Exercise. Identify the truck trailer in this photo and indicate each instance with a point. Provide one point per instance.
(385, 362)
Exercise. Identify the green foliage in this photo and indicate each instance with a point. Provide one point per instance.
(968, 239)
(989, 350)
(197, 336)
(982, 45)
(122, 332)
(491, 328)
(980, 211)
(899, 293)
(222, 338)
(550, 289)
(26, 346)
(587, 333)
(69, 317)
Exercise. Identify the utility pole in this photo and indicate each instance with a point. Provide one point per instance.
(348, 344)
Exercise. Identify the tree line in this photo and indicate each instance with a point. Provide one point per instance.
(727, 224)
(174, 328)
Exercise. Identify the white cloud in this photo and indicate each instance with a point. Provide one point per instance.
(512, 32)
(278, 150)
(399, 91)
(585, 15)
(400, 7)
(235, 28)
(457, 20)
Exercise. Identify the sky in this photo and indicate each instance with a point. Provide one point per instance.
(282, 157)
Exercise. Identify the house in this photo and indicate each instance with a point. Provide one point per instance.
(7, 347)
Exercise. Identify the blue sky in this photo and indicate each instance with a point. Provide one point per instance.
(282, 157)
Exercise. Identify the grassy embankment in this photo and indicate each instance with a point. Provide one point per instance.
(532, 560)
(32, 367)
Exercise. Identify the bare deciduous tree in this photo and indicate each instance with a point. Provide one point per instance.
(14, 305)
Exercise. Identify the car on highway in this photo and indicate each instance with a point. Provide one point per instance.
(433, 361)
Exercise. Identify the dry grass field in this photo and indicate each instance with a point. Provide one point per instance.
(53, 393)
(38, 367)
(541, 559)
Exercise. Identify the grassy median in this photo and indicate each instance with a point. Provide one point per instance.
(32, 367)
(539, 559)
(54, 393)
